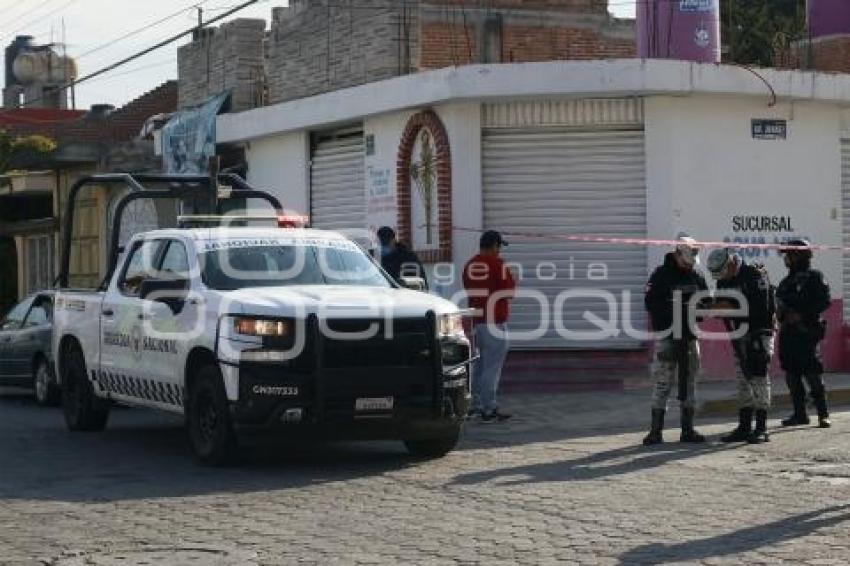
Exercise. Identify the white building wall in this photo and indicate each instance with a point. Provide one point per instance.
(279, 164)
(704, 168)
(463, 123)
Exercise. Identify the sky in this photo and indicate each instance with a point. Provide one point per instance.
(91, 25)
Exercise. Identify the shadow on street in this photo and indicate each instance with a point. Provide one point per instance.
(740, 541)
(145, 454)
(594, 466)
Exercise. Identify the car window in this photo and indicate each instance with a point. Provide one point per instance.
(15, 318)
(139, 266)
(40, 314)
(175, 262)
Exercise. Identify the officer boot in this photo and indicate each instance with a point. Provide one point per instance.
(689, 434)
(760, 435)
(655, 435)
(819, 398)
(745, 427)
(798, 398)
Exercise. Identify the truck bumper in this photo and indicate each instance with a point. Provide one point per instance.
(383, 403)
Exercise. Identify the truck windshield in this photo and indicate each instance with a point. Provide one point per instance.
(232, 268)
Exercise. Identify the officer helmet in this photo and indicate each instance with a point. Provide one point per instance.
(687, 249)
(794, 247)
(718, 261)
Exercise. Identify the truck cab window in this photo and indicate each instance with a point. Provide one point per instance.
(175, 261)
(140, 266)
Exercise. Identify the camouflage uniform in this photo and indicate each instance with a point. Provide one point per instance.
(665, 372)
(670, 288)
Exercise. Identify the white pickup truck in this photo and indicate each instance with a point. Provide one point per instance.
(243, 330)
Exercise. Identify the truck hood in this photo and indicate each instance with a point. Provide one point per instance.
(333, 302)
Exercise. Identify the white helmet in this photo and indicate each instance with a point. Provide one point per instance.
(688, 249)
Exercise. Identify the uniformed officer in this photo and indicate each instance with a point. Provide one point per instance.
(668, 294)
(754, 349)
(801, 299)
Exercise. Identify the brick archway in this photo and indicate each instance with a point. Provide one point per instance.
(429, 121)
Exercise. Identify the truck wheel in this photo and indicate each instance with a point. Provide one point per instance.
(84, 411)
(46, 392)
(208, 419)
(433, 447)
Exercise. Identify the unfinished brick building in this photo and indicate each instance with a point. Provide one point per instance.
(316, 46)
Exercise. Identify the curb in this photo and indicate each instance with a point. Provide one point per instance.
(729, 407)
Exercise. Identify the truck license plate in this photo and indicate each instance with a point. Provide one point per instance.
(374, 404)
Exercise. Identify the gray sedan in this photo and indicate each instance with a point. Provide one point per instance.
(26, 335)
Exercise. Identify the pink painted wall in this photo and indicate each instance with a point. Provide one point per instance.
(828, 17)
(717, 355)
(679, 29)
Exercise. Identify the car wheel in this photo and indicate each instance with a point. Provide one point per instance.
(208, 419)
(433, 447)
(46, 392)
(84, 411)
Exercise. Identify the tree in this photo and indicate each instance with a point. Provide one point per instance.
(13, 148)
(755, 31)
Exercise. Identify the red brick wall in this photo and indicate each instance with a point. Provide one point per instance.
(575, 6)
(831, 54)
(524, 44)
(447, 45)
(447, 41)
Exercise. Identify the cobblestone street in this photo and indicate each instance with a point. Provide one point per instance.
(559, 484)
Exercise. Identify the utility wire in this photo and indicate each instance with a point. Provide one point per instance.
(142, 29)
(138, 54)
(25, 14)
(42, 17)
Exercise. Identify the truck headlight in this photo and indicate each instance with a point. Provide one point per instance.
(449, 325)
(262, 327)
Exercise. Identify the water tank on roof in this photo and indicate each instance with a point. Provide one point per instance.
(679, 29)
(43, 66)
(21, 43)
(828, 17)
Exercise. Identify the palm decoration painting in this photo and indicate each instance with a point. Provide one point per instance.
(424, 175)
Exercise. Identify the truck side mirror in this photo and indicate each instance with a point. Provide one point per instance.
(413, 283)
(171, 292)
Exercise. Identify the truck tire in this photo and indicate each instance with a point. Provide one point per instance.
(432, 448)
(208, 420)
(84, 411)
(47, 394)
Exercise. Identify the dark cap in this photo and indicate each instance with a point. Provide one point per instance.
(492, 238)
(797, 245)
(386, 235)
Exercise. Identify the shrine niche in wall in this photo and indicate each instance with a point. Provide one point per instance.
(424, 188)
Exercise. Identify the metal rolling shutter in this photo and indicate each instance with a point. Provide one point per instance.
(337, 185)
(845, 195)
(563, 181)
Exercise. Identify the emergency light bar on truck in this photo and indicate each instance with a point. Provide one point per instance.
(229, 220)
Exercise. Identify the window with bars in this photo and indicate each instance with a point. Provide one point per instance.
(40, 258)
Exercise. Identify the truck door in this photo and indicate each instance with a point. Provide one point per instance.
(124, 366)
(170, 328)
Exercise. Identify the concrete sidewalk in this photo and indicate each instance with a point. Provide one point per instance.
(590, 413)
